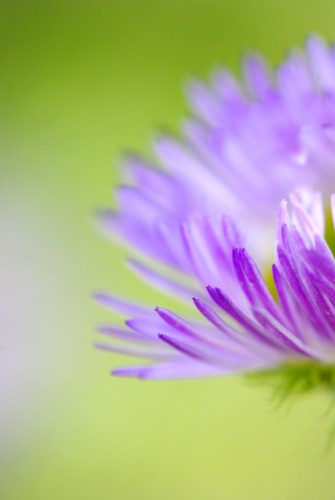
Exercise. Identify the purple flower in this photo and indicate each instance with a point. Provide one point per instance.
(215, 194)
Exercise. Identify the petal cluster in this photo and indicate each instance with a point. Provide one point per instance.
(209, 201)
(245, 148)
(252, 331)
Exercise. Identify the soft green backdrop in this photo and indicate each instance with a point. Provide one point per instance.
(80, 81)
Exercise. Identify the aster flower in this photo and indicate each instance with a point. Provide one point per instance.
(214, 196)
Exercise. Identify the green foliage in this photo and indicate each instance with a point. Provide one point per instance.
(296, 378)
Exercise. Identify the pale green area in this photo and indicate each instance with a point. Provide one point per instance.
(81, 81)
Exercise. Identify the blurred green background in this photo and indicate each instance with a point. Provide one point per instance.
(80, 82)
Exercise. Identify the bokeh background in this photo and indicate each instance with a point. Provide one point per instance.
(80, 82)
